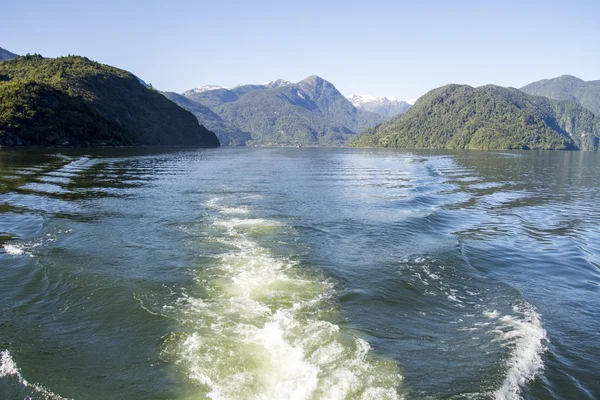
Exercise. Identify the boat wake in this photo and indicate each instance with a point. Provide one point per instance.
(524, 335)
(264, 327)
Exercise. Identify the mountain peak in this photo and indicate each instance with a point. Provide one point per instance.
(313, 80)
(569, 78)
(277, 83)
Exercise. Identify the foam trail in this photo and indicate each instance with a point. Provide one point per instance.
(9, 368)
(12, 249)
(263, 330)
(215, 205)
(527, 337)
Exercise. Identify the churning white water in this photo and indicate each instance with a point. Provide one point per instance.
(265, 330)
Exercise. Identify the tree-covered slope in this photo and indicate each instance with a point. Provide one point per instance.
(37, 114)
(487, 117)
(6, 55)
(228, 134)
(570, 88)
(312, 111)
(72, 100)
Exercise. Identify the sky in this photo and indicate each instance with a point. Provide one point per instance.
(383, 48)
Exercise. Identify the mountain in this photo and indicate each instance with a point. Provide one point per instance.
(213, 98)
(228, 135)
(570, 88)
(487, 117)
(311, 111)
(6, 55)
(387, 107)
(75, 101)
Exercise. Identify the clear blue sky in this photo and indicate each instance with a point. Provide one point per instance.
(398, 48)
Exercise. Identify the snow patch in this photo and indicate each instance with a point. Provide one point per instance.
(277, 83)
(205, 89)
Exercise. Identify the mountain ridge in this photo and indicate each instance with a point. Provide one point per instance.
(311, 111)
(568, 87)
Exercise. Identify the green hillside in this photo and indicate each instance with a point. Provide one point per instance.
(487, 117)
(75, 101)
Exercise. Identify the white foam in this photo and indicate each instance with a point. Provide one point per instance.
(261, 331)
(452, 297)
(215, 204)
(251, 222)
(526, 336)
(8, 367)
(76, 164)
(12, 249)
(430, 274)
(234, 210)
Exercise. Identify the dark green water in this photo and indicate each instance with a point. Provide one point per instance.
(299, 274)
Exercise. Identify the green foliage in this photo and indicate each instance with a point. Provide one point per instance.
(568, 88)
(309, 112)
(45, 99)
(37, 114)
(488, 117)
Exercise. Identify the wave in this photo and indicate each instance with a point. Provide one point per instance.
(8, 368)
(526, 337)
(514, 330)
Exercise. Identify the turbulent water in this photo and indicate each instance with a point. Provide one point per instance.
(299, 274)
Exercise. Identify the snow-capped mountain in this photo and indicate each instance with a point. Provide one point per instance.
(387, 106)
(204, 89)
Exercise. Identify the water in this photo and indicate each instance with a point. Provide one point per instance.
(299, 274)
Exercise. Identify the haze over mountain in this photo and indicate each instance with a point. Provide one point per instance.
(385, 106)
(487, 117)
(567, 87)
(6, 55)
(75, 101)
(311, 111)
